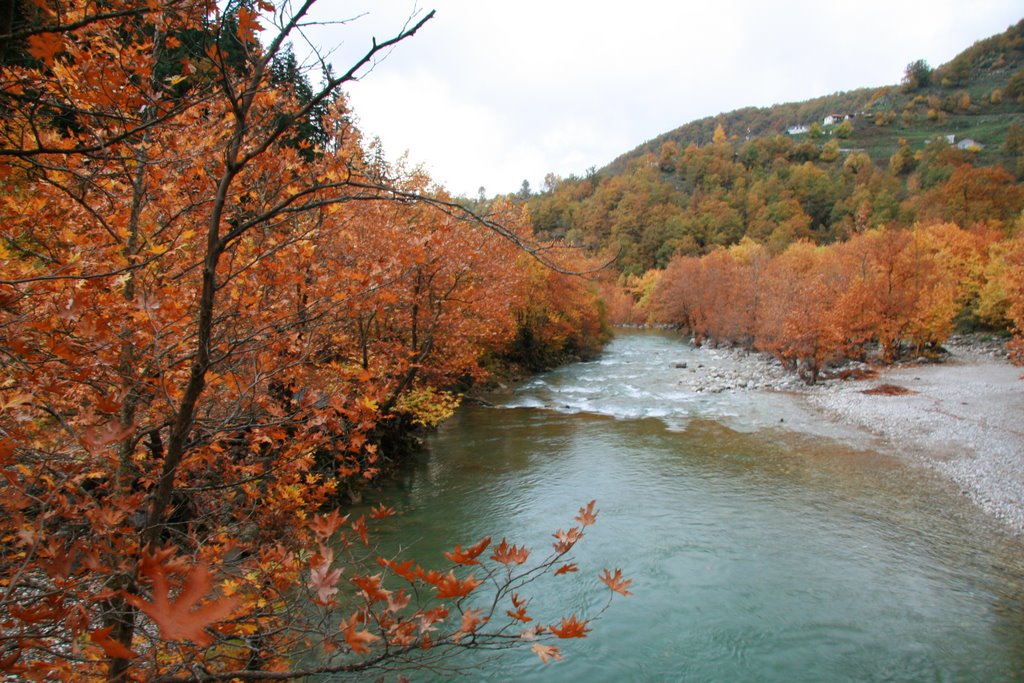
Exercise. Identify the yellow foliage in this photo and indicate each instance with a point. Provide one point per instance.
(428, 407)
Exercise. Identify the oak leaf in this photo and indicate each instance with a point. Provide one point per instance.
(358, 640)
(448, 586)
(588, 515)
(509, 554)
(182, 618)
(382, 512)
(432, 616)
(248, 25)
(398, 601)
(404, 569)
(546, 652)
(371, 588)
(6, 450)
(571, 628)
(45, 46)
(323, 579)
(471, 620)
(95, 438)
(616, 582)
(111, 647)
(469, 555)
(519, 615)
(359, 526)
(324, 526)
(567, 539)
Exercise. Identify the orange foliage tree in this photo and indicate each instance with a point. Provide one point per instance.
(1001, 300)
(812, 305)
(913, 284)
(798, 324)
(207, 318)
(717, 297)
(558, 314)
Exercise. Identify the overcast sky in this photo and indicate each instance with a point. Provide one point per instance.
(489, 94)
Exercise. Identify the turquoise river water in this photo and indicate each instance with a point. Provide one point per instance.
(757, 553)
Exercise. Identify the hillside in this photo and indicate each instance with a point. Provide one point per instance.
(944, 145)
(748, 123)
(878, 113)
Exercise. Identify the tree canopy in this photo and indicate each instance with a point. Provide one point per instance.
(219, 308)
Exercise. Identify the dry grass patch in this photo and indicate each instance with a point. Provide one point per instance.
(888, 390)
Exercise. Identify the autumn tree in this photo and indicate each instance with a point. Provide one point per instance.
(796, 322)
(558, 315)
(1001, 298)
(814, 305)
(917, 75)
(212, 302)
(972, 195)
(674, 300)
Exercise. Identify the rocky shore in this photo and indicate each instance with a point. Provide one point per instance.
(962, 414)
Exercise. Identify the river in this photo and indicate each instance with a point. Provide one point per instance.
(758, 552)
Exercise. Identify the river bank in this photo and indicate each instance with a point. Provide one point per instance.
(961, 415)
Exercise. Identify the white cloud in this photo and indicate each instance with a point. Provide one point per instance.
(449, 134)
(490, 93)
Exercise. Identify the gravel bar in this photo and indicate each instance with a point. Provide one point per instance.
(962, 415)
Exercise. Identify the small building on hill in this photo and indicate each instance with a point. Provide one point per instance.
(969, 144)
(833, 119)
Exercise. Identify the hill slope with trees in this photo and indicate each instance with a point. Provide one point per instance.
(786, 194)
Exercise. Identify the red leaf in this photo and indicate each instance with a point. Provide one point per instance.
(322, 578)
(509, 554)
(587, 515)
(248, 25)
(371, 588)
(358, 640)
(8, 663)
(546, 652)
(111, 647)
(324, 526)
(183, 618)
(405, 569)
(566, 568)
(57, 560)
(6, 450)
(471, 620)
(519, 615)
(567, 539)
(359, 526)
(45, 46)
(616, 582)
(95, 438)
(571, 628)
(448, 586)
(469, 555)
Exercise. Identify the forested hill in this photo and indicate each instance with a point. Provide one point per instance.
(946, 144)
(986, 66)
(750, 122)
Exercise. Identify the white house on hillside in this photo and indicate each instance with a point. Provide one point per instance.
(833, 119)
(969, 144)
